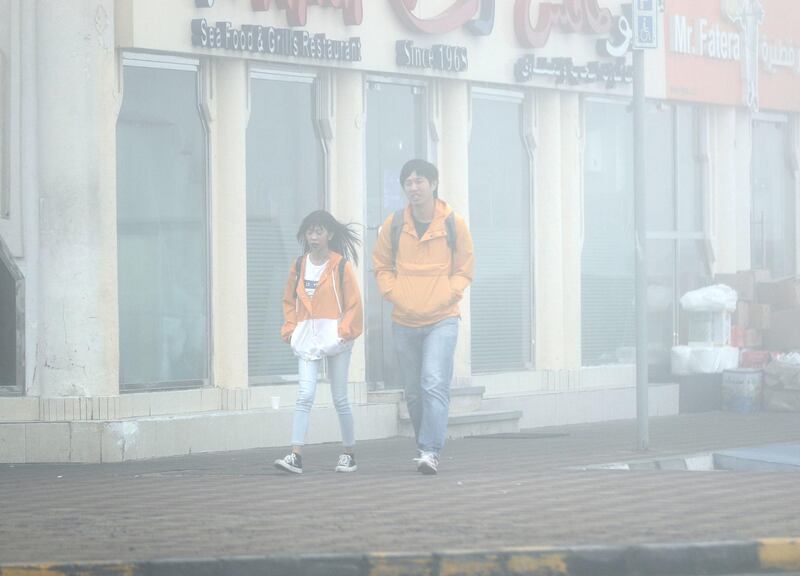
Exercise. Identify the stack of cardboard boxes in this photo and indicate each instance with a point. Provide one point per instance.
(767, 316)
(766, 327)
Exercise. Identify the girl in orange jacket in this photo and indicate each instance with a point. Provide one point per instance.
(322, 317)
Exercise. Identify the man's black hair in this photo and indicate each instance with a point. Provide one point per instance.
(422, 168)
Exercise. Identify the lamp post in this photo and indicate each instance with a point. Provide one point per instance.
(645, 21)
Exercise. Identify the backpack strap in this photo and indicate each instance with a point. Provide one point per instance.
(450, 229)
(297, 265)
(397, 228)
(342, 264)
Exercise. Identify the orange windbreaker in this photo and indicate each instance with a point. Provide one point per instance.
(328, 322)
(429, 278)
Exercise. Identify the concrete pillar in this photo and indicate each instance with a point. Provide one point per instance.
(724, 207)
(78, 340)
(229, 223)
(454, 184)
(548, 228)
(744, 200)
(572, 222)
(348, 194)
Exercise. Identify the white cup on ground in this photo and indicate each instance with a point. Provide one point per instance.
(276, 402)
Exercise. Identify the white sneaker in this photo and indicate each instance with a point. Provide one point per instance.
(291, 463)
(427, 463)
(347, 463)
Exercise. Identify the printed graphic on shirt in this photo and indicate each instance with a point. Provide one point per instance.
(312, 275)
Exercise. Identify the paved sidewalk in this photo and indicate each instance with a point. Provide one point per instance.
(491, 493)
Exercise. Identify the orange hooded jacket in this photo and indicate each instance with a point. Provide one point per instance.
(328, 322)
(428, 278)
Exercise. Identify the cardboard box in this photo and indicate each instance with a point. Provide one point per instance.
(743, 282)
(759, 316)
(741, 317)
(737, 336)
(780, 293)
(784, 334)
(762, 275)
(753, 338)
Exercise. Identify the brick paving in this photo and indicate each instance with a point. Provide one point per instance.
(490, 493)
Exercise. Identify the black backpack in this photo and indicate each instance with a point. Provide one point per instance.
(397, 229)
(298, 265)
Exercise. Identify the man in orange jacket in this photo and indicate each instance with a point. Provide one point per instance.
(423, 263)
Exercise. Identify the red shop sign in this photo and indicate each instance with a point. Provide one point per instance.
(297, 10)
(571, 16)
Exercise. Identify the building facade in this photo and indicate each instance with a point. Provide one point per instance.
(156, 159)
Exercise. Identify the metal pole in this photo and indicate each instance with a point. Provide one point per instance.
(640, 218)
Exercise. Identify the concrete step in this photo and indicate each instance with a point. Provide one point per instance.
(384, 397)
(477, 423)
(120, 440)
(463, 400)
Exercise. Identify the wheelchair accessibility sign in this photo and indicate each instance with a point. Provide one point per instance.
(645, 22)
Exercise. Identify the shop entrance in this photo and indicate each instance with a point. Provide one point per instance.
(396, 133)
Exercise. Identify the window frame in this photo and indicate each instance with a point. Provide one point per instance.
(793, 174)
(525, 100)
(428, 121)
(162, 61)
(319, 90)
(7, 260)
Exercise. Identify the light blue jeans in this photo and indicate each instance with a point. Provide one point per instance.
(309, 370)
(425, 367)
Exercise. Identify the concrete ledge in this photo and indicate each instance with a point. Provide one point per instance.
(738, 557)
(177, 435)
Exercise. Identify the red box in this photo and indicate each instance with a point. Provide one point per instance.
(755, 358)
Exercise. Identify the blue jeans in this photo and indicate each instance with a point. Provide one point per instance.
(338, 367)
(425, 367)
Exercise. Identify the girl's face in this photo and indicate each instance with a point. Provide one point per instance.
(318, 238)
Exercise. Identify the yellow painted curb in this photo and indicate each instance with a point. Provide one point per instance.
(536, 564)
(60, 570)
(483, 564)
(399, 565)
(779, 553)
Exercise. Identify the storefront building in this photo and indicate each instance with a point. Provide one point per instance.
(156, 165)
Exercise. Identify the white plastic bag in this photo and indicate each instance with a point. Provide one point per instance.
(714, 298)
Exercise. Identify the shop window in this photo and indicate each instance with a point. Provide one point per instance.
(162, 227)
(773, 228)
(396, 133)
(285, 181)
(608, 267)
(500, 221)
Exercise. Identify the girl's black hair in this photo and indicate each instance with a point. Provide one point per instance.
(344, 237)
(422, 168)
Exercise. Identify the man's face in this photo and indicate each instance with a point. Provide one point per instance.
(418, 189)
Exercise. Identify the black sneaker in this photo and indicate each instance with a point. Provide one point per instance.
(291, 463)
(347, 463)
(427, 463)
